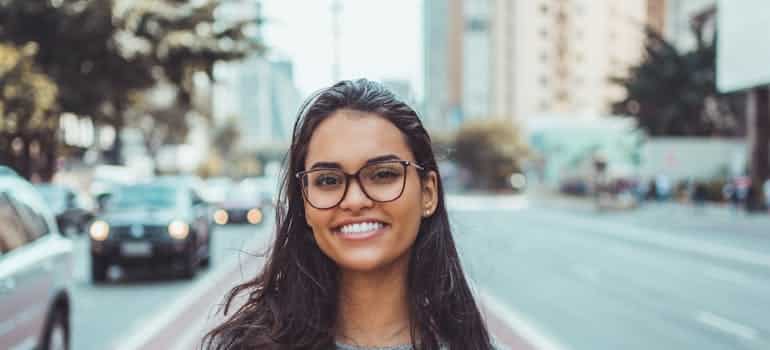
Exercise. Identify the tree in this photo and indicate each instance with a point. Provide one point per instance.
(492, 150)
(184, 39)
(28, 120)
(103, 53)
(674, 94)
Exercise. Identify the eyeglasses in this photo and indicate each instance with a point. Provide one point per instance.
(325, 188)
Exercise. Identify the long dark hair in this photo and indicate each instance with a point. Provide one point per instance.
(292, 303)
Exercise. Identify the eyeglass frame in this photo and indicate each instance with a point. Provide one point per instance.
(348, 177)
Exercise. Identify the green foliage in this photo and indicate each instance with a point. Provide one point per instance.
(27, 97)
(100, 52)
(674, 94)
(492, 150)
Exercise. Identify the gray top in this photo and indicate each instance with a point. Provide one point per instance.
(341, 346)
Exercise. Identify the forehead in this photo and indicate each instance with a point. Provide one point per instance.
(350, 138)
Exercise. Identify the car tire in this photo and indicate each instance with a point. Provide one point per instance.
(56, 335)
(98, 269)
(189, 266)
(206, 261)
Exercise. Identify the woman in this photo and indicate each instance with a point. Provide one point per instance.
(363, 256)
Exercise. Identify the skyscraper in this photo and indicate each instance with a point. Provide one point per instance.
(522, 58)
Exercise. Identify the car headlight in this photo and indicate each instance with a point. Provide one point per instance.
(221, 217)
(178, 229)
(254, 216)
(99, 230)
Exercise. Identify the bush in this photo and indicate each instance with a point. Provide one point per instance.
(492, 150)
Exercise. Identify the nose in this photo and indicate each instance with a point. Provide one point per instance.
(355, 199)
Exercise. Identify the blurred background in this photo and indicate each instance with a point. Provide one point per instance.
(606, 162)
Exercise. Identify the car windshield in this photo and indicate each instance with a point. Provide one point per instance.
(144, 196)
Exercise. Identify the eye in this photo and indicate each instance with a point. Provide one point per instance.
(384, 174)
(327, 179)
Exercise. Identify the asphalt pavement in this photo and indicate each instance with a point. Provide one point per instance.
(623, 280)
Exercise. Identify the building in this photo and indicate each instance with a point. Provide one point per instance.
(523, 58)
(656, 15)
(261, 94)
(442, 21)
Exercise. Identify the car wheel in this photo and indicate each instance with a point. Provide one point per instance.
(57, 331)
(206, 261)
(189, 266)
(98, 269)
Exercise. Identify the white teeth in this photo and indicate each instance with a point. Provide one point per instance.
(363, 227)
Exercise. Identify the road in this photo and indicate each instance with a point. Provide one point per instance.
(567, 277)
(662, 277)
(106, 315)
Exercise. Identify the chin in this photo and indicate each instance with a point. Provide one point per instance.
(368, 262)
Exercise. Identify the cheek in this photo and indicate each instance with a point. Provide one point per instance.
(314, 218)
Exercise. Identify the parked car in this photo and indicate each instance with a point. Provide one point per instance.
(35, 270)
(162, 223)
(71, 214)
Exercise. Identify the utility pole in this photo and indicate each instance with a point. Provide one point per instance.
(758, 115)
(336, 10)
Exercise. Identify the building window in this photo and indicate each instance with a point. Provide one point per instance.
(476, 25)
(544, 106)
(544, 8)
(544, 81)
(543, 57)
(544, 33)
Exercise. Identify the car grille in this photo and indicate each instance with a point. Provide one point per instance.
(237, 214)
(151, 232)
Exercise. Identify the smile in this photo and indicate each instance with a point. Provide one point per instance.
(360, 230)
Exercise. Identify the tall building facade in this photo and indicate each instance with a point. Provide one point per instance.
(259, 91)
(442, 36)
(522, 58)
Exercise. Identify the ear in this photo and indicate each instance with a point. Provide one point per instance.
(429, 194)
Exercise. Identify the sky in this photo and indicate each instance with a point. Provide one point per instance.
(378, 40)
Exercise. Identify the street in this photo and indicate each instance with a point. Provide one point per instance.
(577, 279)
(108, 315)
(628, 280)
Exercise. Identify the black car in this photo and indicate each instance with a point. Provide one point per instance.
(71, 216)
(160, 224)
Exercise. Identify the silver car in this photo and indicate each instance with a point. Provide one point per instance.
(35, 271)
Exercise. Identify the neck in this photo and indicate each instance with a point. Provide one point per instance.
(373, 308)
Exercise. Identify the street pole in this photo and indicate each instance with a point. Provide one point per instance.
(758, 115)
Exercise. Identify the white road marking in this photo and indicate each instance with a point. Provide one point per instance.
(726, 326)
(151, 325)
(728, 275)
(518, 323)
(192, 337)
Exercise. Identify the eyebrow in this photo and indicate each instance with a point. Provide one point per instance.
(335, 165)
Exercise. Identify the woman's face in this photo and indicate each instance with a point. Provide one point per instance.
(361, 234)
